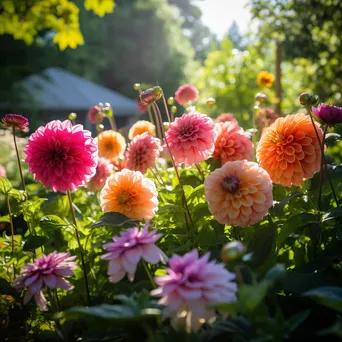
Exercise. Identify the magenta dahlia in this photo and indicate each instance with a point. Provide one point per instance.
(186, 93)
(15, 121)
(128, 249)
(61, 155)
(47, 271)
(329, 114)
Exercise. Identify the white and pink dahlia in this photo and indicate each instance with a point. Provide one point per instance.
(103, 170)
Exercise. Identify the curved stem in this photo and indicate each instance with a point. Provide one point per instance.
(112, 123)
(160, 176)
(79, 246)
(322, 169)
(147, 270)
(166, 109)
(11, 221)
(159, 126)
(200, 171)
(18, 159)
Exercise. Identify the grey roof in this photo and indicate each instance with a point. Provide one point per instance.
(58, 89)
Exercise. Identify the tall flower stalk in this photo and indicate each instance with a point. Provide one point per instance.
(11, 221)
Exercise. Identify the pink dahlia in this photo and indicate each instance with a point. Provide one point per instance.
(142, 152)
(191, 138)
(15, 121)
(95, 115)
(142, 108)
(185, 94)
(103, 169)
(2, 171)
(232, 143)
(192, 285)
(61, 155)
(128, 249)
(329, 114)
(226, 117)
(47, 271)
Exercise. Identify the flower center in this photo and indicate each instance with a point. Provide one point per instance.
(124, 197)
(231, 184)
(109, 146)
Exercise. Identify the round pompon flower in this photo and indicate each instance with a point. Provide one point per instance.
(239, 193)
(186, 93)
(142, 108)
(130, 193)
(95, 115)
(232, 143)
(142, 152)
(265, 79)
(289, 150)
(126, 250)
(224, 117)
(61, 155)
(46, 272)
(14, 121)
(103, 169)
(191, 138)
(2, 171)
(111, 145)
(329, 114)
(191, 286)
(141, 127)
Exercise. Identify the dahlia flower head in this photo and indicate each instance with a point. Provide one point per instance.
(46, 272)
(142, 108)
(126, 251)
(131, 194)
(191, 138)
(191, 286)
(224, 117)
(142, 152)
(141, 127)
(239, 193)
(329, 114)
(61, 155)
(186, 93)
(95, 115)
(265, 79)
(289, 149)
(232, 143)
(111, 145)
(103, 169)
(2, 171)
(15, 121)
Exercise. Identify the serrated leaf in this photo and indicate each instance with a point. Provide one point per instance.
(5, 186)
(52, 221)
(112, 219)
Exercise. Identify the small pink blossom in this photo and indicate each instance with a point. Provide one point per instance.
(61, 155)
(2, 171)
(192, 285)
(103, 170)
(226, 117)
(95, 115)
(15, 121)
(47, 271)
(191, 138)
(186, 93)
(128, 249)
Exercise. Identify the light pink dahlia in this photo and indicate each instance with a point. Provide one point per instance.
(47, 271)
(15, 121)
(186, 93)
(103, 169)
(2, 171)
(224, 117)
(191, 138)
(95, 115)
(61, 155)
(128, 249)
(232, 143)
(142, 152)
(192, 285)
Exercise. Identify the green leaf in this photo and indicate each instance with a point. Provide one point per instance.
(112, 219)
(252, 295)
(17, 194)
(329, 296)
(52, 221)
(295, 321)
(335, 329)
(34, 242)
(5, 218)
(276, 273)
(5, 186)
(171, 208)
(206, 236)
(332, 214)
(196, 193)
(279, 207)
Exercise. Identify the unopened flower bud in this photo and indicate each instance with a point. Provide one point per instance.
(72, 116)
(166, 126)
(314, 100)
(99, 128)
(107, 110)
(170, 101)
(173, 109)
(151, 95)
(304, 99)
(158, 92)
(211, 101)
(260, 97)
(136, 86)
(233, 251)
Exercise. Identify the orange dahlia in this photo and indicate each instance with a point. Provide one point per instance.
(130, 193)
(289, 150)
(265, 79)
(111, 144)
(232, 143)
(141, 127)
(239, 193)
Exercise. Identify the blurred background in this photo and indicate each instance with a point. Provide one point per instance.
(61, 56)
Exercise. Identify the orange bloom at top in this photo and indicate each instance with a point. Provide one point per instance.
(289, 149)
(111, 144)
(265, 79)
(141, 127)
(130, 193)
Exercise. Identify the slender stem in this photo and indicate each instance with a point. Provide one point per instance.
(18, 158)
(200, 171)
(11, 221)
(254, 137)
(80, 246)
(57, 301)
(155, 176)
(159, 125)
(158, 173)
(322, 169)
(150, 116)
(166, 109)
(56, 308)
(112, 123)
(149, 274)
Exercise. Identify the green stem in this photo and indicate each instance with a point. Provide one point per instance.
(254, 137)
(18, 159)
(11, 221)
(200, 171)
(112, 123)
(79, 246)
(149, 274)
(236, 233)
(158, 173)
(321, 170)
(159, 125)
(155, 176)
(166, 109)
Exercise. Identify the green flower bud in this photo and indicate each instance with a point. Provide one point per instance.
(72, 116)
(211, 102)
(107, 110)
(99, 128)
(170, 101)
(304, 99)
(233, 251)
(136, 86)
(173, 109)
(260, 97)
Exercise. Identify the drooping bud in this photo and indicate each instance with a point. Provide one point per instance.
(233, 251)
(136, 86)
(151, 95)
(211, 101)
(72, 116)
(170, 101)
(173, 109)
(260, 97)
